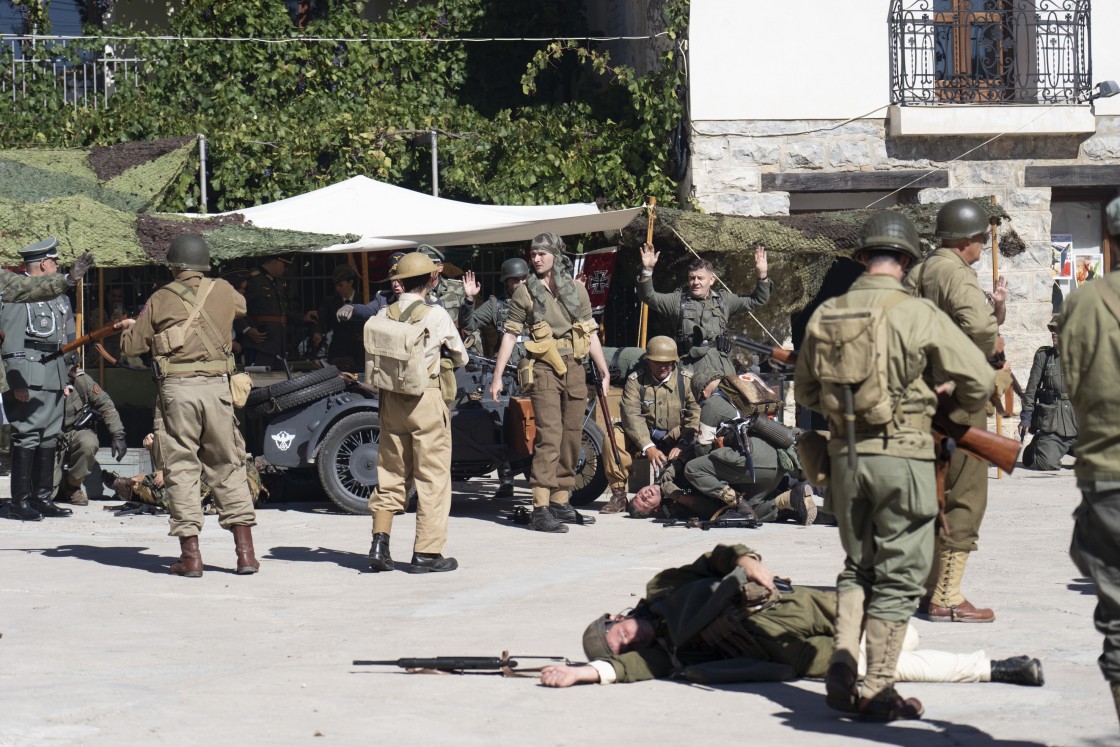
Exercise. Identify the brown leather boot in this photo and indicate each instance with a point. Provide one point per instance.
(190, 559)
(243, 541)
(948, 603)
(72, 494)
(617, 503)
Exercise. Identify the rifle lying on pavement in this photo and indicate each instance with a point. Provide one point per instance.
(706, 524)
(505, 665)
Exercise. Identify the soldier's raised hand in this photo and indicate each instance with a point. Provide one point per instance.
(761, 265)
(649, 257)
(80, 268)
(471, 286)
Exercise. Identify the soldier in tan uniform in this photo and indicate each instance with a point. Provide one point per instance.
(886, 503)
(186, 327)
(416, 432)
(1089, 331)
(947, 279)
(660, 416)
(554, 313)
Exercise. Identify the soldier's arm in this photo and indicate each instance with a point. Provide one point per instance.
(1078, 334)
(806, 388)
(23, 288)
(969, 309)
(723, 559)
(633, 422)
(99, 399)
(449, 338)
(1031, 388)
(961, 362)
(662, 304)
(137, 339)
(482, 317)
(761, 294)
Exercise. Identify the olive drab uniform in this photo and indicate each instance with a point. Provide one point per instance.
(269, 310)
(77, 452)
(1048, 412)
(16, 288)
(1089, 343)
(489, 319)
(195, 426)
(702, 323)
(32, 331)
(663, 414)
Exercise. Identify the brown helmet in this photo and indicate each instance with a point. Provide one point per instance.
(412, 265)
(662, 349)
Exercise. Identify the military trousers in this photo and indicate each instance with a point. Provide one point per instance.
(966, 491)
(711, 360)
(725, 466)
(38, 421)
(1095, 549)
(559, 404)
(76, 456)
(415, 448)
(1045, 451)
(197, 437)
(886, 509)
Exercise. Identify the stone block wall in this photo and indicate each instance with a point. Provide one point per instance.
(729, 158)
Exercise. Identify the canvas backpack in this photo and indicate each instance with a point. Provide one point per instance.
(848, 347)
(395, 350)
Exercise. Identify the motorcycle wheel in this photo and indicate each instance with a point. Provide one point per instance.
(591, 480)
(348, 461)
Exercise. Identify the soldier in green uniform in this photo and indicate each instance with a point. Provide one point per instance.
(265, 333)
(702, 313)
(947, 279)
(722, 619)
(186, 328)
(456, 296)
(884, 494)
(33, 405)
(659, 417)
(85, 401)
(1047, 411)
(1089, 334)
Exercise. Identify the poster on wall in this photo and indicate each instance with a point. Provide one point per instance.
(1061, 258)
(1087, 266)
(1064, 285)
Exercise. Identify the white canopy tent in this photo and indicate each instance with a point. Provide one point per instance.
(388, 217)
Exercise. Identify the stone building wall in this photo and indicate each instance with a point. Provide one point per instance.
(729, 158)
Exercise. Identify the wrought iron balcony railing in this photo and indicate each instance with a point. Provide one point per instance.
(990, 51)
(81, 72)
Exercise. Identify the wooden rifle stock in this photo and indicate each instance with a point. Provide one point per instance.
(997, 450)
(98, 334)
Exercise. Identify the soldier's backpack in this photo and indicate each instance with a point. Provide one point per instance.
(848, 346)
(395, 350)
(749, 394)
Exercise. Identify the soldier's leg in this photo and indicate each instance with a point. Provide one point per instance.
(431, 427)
(1048, 448)
(47, 418)
(394, 453)
(547, 409)
(618, 475)
(573, 401)
(1095, 548)
(79, 456)
(222, 453)
(181, 421)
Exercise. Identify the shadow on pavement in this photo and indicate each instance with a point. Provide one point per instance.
(122, 557)
(1083, 586)
(344, 558)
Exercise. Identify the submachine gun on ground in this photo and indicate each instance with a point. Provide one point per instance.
(505, 665)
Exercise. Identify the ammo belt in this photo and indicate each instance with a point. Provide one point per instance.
(268, 319)
(197, 368)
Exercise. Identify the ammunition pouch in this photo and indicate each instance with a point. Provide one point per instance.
(542, 347)
(240, 385)
(812, 451)
(447, 386)
(581, 339)
(1047, 397)
(723, 344)
(525, 375)
(169, 340)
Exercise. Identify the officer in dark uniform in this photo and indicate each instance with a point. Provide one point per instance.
(34, 405)
(345, 346)
(1047, 411)
(361, 312)
(264, 340)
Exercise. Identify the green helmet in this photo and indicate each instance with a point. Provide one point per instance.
(961, 219)
(189, 252)
(662, 349)
(890, 231)
(514, 268)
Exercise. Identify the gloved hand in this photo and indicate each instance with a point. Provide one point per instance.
(80, 268)
(1024, 424)
(345, 312)
(118, 448)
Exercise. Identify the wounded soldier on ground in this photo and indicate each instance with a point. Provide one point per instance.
(148, 490)
(724, 619)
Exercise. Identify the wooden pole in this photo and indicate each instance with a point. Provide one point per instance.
(643, 322)
(365, 277)
(995, 280)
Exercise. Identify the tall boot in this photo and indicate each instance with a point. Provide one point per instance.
(879, 701)
(44, 484)
(190, 559)
(617, 503)
(841, 692)
(505, 481)
(243, 544)
(1116, 697)
(23, 459)
(947, 604)
(799, 500)
(379, 557)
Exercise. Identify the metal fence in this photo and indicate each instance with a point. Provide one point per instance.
(82, 72)
(990, 51)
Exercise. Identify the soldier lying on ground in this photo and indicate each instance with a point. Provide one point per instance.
(675, 498)
(723, 619)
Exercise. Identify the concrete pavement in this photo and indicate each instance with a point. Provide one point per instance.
(101, 646)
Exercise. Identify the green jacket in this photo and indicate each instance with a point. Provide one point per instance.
(454, 299)
(490, 317)
(23, 288)
(32, 331)
(920, 337)
(1046, 376)
(1089, 343)
(797, 631)
(944, 278)
(87, 392)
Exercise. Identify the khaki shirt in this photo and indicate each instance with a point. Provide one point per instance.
(945, 279)
(920, 336)
(522, 318)
(166, 309)
(648, 404)
(1089, 344)
(441, 332)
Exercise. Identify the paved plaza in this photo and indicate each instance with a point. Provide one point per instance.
(101, 646)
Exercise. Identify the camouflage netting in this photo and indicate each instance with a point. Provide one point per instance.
(99, 200)
(801, 249)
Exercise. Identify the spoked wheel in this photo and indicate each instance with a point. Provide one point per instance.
(348, 461)
(591, 480)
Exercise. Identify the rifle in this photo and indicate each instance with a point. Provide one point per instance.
(706, 524)
(782, 359)
(598, 378)
(505, 665)
(98, 334)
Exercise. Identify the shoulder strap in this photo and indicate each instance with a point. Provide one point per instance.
(406, 315)
(195, 305)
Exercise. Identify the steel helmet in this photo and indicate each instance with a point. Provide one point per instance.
(189, 252)
(514, 268)
(412, 265)
(891, 231)
(961, 219)
(662, 349)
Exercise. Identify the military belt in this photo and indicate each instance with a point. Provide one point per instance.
(46, 347)
(9, 356)
(198, 367)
